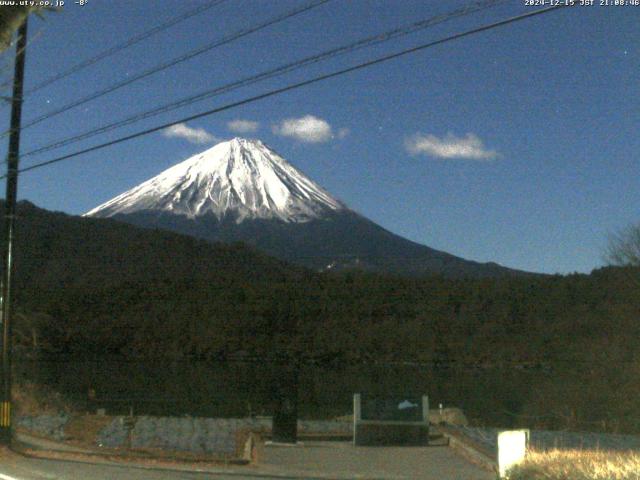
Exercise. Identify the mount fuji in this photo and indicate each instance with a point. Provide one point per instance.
(241, 190)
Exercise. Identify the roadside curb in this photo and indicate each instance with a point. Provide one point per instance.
(120, 459)
(469, 449)
(237, 467)
(244, 471)
(72, 453)
(248, 448)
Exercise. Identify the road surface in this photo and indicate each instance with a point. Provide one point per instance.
(313, 460)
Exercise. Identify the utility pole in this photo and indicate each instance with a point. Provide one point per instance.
(9, 217)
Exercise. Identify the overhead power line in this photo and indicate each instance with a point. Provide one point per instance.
(115, 49)
(194, 53)
(275, 72)
(9, 84)
(363, 43)
(126, 44)
(294, 86)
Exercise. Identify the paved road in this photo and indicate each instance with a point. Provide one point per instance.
(313, 460)
(15, 467)
(343, 460)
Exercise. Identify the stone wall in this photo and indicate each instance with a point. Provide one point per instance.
(188, 434)
(198, 435)
(51, 426)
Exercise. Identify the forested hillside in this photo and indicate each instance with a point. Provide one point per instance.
(87, 287)
(109, 286)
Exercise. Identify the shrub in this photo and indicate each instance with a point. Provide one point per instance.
(578, 465)
(33, 400)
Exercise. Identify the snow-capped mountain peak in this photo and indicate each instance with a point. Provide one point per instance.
(236, 179)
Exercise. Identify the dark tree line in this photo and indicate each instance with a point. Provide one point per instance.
(89, 287)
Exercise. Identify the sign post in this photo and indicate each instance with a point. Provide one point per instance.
(285, 416)
(390, 420)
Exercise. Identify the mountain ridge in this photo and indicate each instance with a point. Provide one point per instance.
(241, 190)
(239, 178)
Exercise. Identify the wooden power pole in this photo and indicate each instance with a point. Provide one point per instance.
(13, 157)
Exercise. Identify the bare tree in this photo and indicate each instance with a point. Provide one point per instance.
(624, 247)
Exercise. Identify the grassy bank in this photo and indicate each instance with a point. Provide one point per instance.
(33, 399)
(579, 465)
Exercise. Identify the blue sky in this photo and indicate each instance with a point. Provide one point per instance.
(518, 145)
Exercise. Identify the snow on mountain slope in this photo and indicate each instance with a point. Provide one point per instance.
(240, 179)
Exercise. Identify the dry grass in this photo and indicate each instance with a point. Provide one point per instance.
(578, 465)
(32, 399)
(84, 429)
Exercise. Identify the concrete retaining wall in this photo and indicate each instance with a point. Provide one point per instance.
(189, 434)
(51, 426)
(198, 435)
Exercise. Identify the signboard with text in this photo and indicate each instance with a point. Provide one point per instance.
(390, 420)
(392, 408)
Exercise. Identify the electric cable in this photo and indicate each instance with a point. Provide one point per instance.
(193, 53)
(9, 83)
(124, 45)
(271, 73)
(294, 86)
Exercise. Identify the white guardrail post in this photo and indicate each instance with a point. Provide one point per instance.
(512, 449)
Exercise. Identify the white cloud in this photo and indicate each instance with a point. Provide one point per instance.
(468, 147)
(243, 126)
(308, 129)
(193, 135)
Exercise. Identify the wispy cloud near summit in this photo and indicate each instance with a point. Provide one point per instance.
(308, 129)
(193, 135)
(469, 147)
